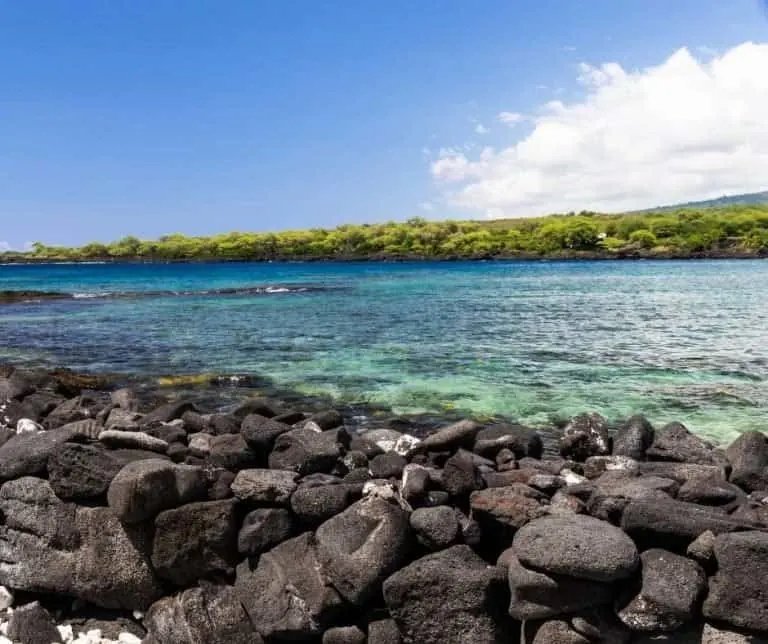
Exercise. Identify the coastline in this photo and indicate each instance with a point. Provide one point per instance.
(639, 255)
(276, 520)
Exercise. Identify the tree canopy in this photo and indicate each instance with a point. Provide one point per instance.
(720, 231)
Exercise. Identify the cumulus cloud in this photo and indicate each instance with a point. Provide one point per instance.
(685, 129)
(481, 129)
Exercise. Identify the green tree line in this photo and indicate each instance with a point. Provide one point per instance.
(730, 230)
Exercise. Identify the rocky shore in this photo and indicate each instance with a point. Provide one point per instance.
(125, 520)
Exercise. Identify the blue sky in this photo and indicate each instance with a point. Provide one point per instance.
(151, 117)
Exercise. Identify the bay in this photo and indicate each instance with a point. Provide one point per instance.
(535, 341)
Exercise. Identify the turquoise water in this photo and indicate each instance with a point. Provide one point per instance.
(535, 341)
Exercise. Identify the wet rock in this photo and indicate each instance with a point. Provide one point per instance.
(737, 591)
(257, 405)
(633, 438)
(142, 489)
(681, 472)
(207, 614)
(673, 525)
(540, 595)
(389, 465)
(263, 529)
(585, 435)
(288, 596)
(265, 486)
(748, 456)
(170, 433)
(35, 406)
(450, 596)
(200, 444)
(15, 386)
(670, 594)
(33, 624)
(305, 451)
(122, 419)
(195, 541)
(50, 546)
(578, 546)
(314, 504)
(436, 528)
(674, 442)
(520, 440)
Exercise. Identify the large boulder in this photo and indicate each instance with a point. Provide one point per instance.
(207, 614)
(117, 439)
(28, 454)
(674, 442)
(83, 407)
(737, 592)
(142, 489)
(633, 438)
(287, 595)
(360, 547)
(450, 596)
(748, 456)
(673, 525)
(195, 541)
(669, 596)
(79, 471)
(539, 595)
(577, 546)
(49, 546)
(585, 435)
(461, 476)
(265, 486)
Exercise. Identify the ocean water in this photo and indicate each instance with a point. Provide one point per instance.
(533, 341)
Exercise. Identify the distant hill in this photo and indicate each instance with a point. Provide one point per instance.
(726, 200)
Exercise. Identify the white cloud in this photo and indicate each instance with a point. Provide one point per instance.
(427, 206)
(682, 130)
(5, 246)
(481, 129)
(510, 118)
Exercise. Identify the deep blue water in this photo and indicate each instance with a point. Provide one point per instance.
(536, 341)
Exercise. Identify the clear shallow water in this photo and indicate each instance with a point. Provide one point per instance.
(536, 341)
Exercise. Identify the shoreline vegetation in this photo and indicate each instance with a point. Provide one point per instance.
(729, 232)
